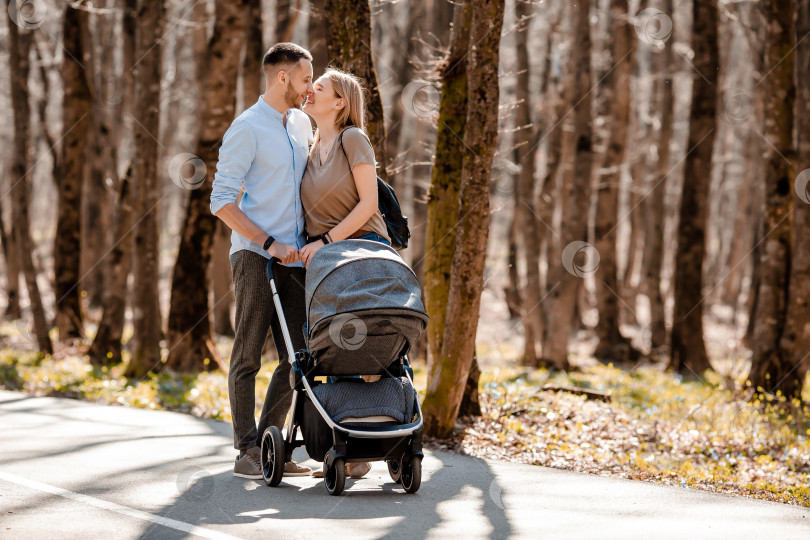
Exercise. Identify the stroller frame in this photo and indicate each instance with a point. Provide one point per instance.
(400, 445)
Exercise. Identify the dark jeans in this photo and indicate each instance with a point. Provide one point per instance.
(374, 236)
(255, 314)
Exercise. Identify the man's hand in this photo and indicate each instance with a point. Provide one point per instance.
(285, 253)
(309, 250)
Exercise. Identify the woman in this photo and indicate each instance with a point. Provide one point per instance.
(339, 187)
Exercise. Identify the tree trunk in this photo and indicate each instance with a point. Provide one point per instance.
(106, 347)
(688, 348)
(470, 405)
(653, 257)
(348, 43)
(443, 201)
(252, 74)
(744, 218)
(795, 342)
(512, 289)
(774, 359)
(286, 17)
(317, 36)
(19, 42)
(567, 277)
(191, 344)
(613, 346)
(526, 212)
(99, 165)
(768, 364)
(12, 268)
(449, 374)
(76, 109)
(146, 308)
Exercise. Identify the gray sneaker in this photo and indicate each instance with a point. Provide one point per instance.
(249, 465)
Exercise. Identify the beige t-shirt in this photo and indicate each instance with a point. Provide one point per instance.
(328, 191)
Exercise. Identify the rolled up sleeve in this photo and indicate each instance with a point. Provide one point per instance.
(235, 157)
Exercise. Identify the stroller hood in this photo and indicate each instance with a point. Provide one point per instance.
(365, 281)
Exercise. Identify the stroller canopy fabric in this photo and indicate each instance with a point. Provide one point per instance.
(366, 280)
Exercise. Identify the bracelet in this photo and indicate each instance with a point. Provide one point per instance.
(268, 242)
(325, 238)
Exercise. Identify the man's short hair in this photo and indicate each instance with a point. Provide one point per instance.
(284, 54)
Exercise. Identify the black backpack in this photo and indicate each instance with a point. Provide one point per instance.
(395, 222)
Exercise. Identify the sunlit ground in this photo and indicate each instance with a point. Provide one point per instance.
(716, 434)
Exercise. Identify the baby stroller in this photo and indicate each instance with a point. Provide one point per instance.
(364, 313)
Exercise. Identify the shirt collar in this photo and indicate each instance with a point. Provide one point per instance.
(268, 109)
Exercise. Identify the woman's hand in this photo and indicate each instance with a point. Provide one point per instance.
(309, 250)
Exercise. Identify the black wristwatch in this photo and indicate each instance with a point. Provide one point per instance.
(268, 242)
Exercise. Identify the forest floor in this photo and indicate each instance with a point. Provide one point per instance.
(714, 434)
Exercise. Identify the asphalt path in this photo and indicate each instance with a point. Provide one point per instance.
(72, 469)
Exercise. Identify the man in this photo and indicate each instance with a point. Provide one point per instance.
(264, 153)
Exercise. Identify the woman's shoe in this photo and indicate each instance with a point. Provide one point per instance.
(353, 470)
(357, 470)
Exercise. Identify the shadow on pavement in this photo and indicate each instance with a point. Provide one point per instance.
(454, 488)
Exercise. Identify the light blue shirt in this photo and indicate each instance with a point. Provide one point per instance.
(259, 153)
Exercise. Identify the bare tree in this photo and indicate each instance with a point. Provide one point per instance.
(443, 201)
(286, 17)
(317, 36)
(449, 373)
(348, 43)
(252, 75)
(76, 110)
(796, 339)
(19, 49)
(564, 284)
(146, 308)
(525, 218)
(688, 348)
(654, 205)
(613, 346)
(106, 346)
(773, 360)
(12, 310)
(191, 345)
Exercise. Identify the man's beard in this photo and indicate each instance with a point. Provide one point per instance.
(292, 97)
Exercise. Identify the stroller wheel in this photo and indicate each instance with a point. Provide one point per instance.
(334, 477)
(395, 470)
(272, 455)
(412, 474)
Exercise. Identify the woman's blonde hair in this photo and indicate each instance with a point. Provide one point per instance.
(347, 86)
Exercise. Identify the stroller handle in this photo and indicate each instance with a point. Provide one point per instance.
(273, 260)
